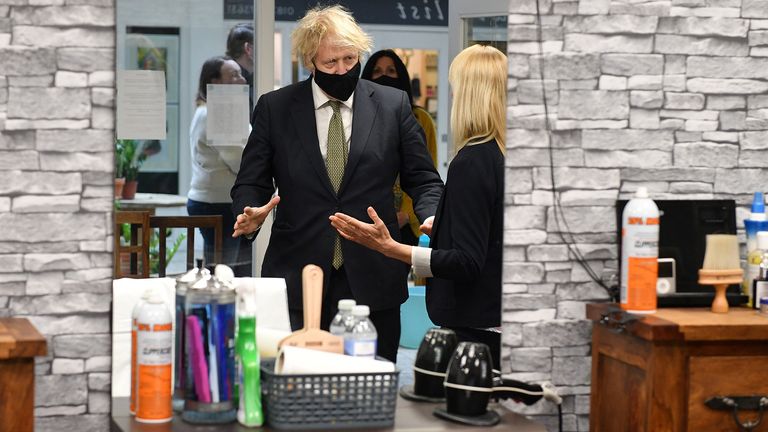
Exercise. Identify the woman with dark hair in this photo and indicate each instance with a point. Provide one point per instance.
(214, 168)
(385, 67)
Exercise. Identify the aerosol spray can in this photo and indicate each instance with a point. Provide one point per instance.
(154, 360)
(639, 253)
(134, 315)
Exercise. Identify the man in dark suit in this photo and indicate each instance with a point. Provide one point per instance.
(330, 144)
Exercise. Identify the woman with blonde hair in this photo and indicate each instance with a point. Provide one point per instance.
(463, 262)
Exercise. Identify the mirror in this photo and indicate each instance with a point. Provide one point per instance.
(177, 36)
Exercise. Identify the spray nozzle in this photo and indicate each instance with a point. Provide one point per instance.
(758, 207)
(246, 297)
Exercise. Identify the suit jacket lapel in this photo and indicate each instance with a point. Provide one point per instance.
(304, 123)
(363, 118)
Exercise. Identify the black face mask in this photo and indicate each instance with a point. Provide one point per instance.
(338, 86)
(388, 81)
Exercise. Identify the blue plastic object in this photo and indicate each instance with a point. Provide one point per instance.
(414, 321)
(758, 203)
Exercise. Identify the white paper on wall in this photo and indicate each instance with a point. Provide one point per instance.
(227, 121)
(141, 104)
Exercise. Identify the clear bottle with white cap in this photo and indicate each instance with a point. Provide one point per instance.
(343, 320)
(361, 341)
(760, 283)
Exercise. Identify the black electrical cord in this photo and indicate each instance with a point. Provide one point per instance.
(558, 212)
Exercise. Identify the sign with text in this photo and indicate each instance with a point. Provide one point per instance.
(399, 12)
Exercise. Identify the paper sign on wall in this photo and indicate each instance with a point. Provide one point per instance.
(141, 104)
(227, 122)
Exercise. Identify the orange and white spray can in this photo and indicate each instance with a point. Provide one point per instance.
(154, 360)
(639, 253)
(134, 315)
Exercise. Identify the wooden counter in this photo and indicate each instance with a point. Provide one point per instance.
(20, 342)
(409, 417)
(654, 372)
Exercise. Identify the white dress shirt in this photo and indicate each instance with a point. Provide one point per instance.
(323, 115)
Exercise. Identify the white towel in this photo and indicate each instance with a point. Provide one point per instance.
(126, 293)
(295, 361)
(271, 301)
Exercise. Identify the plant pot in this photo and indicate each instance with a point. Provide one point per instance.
(129, 190)
(119, 184)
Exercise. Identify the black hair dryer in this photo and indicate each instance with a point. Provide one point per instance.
(429, 367)
(470, 382)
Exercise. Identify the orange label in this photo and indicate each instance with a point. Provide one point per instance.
(162, 327)
(154, 392)
(143, 327)
(635, 221)
(642, 274)
(652, 221)
(133, 370)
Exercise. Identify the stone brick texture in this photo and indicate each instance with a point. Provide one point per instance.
(57, 66)
(606, 96)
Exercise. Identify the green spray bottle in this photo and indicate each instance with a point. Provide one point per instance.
(249, 413)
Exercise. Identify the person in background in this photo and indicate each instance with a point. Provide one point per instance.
(334, 143)
(214, 168)
(385, 67)
(463, 262)
(240, 48)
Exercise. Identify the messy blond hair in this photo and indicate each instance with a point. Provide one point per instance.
(333, 22)
(478, 79)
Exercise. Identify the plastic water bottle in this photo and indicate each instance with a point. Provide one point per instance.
(343, 321)
(753, 225)
(361, 341)
(760, 282)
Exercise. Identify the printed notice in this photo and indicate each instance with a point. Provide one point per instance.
(227, 122)
(141, 104)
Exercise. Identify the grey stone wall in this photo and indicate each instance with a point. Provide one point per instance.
(668, 94)
(56, 197)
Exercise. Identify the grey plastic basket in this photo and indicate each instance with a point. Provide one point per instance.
(335, 401)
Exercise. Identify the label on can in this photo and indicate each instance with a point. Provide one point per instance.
(154, 359)
(640, 247)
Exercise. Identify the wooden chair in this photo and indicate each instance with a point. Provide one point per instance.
(138, 248)
(190, 223)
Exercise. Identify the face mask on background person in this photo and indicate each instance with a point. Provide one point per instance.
(338, 86)
(388, 81)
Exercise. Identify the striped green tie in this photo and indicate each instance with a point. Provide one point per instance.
(335, 162)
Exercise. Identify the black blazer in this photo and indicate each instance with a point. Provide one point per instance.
(283, 146)
(467, 241)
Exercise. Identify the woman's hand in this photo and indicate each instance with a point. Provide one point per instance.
(426, 227)
(252, 218)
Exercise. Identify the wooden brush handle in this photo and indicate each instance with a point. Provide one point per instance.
(312, 291)
(720, 303)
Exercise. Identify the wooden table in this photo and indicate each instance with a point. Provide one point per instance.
(654, 372)
(409, 417)
(145, 201)
(20, 342)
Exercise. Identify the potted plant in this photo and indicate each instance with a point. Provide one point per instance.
(154, 247)
(129, 159)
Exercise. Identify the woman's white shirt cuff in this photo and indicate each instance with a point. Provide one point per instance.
(421, 257)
